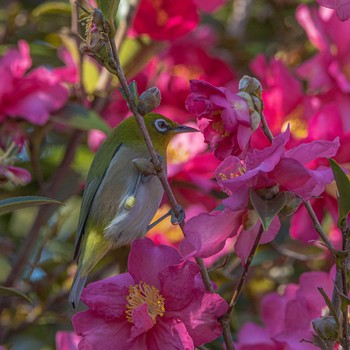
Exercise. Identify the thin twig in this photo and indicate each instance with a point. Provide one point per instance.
(225, 320)
(343, 268)
(105, 78)
(244, 274)
(318, 227)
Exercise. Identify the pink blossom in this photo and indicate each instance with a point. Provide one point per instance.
(189, 163)
(165, 20)
(186, 58)
(161, 303)
(17, 176)
(327, 69)
(223, 118)
(67, 340)
(274, 165)
(287, 317)
(342, 7)
(280, 105)
(32, 96)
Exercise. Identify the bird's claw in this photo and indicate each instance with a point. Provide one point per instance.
(178, 216)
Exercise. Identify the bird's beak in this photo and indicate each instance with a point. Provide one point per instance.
(183, 128)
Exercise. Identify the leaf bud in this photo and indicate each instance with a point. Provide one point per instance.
(149, 100)
(326, 327)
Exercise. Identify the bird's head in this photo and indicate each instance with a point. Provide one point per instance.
(160, 128)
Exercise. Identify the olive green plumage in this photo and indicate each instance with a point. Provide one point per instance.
(119, 201)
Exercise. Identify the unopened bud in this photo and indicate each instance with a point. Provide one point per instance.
(326, 327)
(149, 100)
(250, 85)
(268, 192)
(292, 204)
(255, 106)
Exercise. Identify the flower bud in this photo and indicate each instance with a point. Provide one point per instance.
(268, 192)
(326, 327)
(149, 100)
(250, 85)
(292, 204)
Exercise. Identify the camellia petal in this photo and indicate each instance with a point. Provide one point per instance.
(108, 297)
(146, 261)
(206, 233)
(201, 315)
(174, 276)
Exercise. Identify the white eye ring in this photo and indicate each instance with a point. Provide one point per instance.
(161, 125)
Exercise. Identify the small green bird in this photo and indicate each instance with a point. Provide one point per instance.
(122, 193)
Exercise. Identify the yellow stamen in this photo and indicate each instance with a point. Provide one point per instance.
(143, 293)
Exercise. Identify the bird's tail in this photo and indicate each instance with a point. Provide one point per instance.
(94, 247)
(77, 288)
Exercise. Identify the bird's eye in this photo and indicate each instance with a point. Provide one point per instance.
(161, 125)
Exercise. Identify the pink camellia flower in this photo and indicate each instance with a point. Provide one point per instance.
(273, 166)
(32, 96)
(329, 68)
(223, 118)
(189, 163)
(287, 317)
(342, 7)
(67, 340)
(165, 20)
(280, 105)
(161, 303)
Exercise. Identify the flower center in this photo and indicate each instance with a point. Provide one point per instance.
(143, 293)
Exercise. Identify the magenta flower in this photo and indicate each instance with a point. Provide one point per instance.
(327, 69)
(273, 166)
(342, 7)
(161, 303)
(287, 317)
(32, 96)
(165, 20)
(67, 340)
(223, 118)
(207, 233)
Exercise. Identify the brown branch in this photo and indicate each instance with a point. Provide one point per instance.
(225, 320)
(106, 77)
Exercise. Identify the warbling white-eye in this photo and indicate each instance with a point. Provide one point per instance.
(122, 194)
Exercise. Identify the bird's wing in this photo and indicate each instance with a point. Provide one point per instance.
(96, 174)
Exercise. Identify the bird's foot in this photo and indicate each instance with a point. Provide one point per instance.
(178, 216)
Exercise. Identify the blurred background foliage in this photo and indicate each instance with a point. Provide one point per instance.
(59, 152)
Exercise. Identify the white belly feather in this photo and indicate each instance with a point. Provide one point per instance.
(130, 224)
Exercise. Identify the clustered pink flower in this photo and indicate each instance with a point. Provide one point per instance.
(165, 20)
(161, 303)
(274, 165)
(223, 118)
(29, 95)
(287, 317)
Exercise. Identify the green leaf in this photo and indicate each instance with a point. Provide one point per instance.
(79, 117)
(14, 203)
(11, 292)
(267, 209)
(343, 186)
(52, 7)
(109, 9)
